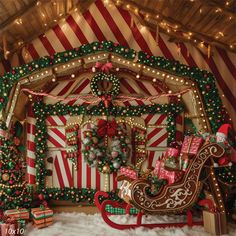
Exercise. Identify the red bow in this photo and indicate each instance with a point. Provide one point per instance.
(106, 128)
(104, 67)
(106, 99)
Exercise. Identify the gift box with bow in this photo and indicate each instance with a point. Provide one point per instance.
(173, 152)
(170, 176)
(18, 213)
(42, 216)
(12, 227)
(191, 145)
(127, 171)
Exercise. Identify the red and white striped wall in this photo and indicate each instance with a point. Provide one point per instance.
(108, 22)
(63, 172)
(103, 22)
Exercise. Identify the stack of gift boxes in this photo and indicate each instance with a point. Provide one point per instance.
(172, 165)
(175, 162)
(42, 216)
(13, 221)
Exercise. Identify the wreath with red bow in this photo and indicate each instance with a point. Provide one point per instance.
(107, 159)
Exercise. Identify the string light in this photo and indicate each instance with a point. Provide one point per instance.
(18, 21)
(218, 10)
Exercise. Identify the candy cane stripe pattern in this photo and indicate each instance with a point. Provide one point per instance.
(156, 134)
(31, 171)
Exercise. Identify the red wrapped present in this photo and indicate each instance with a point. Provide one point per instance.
(18, 213)
(191, 145)
(11, 228)
(173, 152)
(170, 176)
(159, 164)
(127, 171)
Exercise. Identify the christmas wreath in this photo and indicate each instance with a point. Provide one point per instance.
(95, 147)
(105, 77)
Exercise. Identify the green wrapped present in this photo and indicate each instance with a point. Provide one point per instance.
(120, 211)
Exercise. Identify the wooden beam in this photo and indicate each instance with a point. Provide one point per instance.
(5, 24)
(82, 5)
(182, 28)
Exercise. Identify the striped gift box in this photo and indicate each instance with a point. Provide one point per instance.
(18, 213)
(41, 213)
(43, 221)
(43, 225)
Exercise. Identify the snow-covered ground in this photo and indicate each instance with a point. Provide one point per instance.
(76, 224)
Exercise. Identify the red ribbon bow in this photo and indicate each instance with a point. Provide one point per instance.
(106, 128)
(107, 100)
(104, 67)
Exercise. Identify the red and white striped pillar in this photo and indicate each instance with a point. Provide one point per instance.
(30, 152)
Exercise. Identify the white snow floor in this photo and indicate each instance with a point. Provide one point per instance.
(80, 224)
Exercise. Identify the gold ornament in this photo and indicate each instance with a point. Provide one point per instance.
(106, 169)
(5, 177)
(95, 140)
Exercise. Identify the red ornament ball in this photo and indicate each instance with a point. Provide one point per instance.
(41, 196)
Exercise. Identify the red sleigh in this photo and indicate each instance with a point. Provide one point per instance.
(177, 198)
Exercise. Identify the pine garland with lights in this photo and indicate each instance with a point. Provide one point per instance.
(13, 189)
(204, 80)
(42, 111)
(76, 195)
(227, 174)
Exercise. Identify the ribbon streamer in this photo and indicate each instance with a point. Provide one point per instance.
(82, 97)
(128, 98)
(122, 98)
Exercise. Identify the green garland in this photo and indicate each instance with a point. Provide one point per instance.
(42, 111)
(227, 174)
(76, 195)
(105, 77)
(204, 79)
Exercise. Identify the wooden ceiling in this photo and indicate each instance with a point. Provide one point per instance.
(198, 21)
(207, 21)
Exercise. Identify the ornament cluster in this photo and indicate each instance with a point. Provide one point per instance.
(96, 149)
